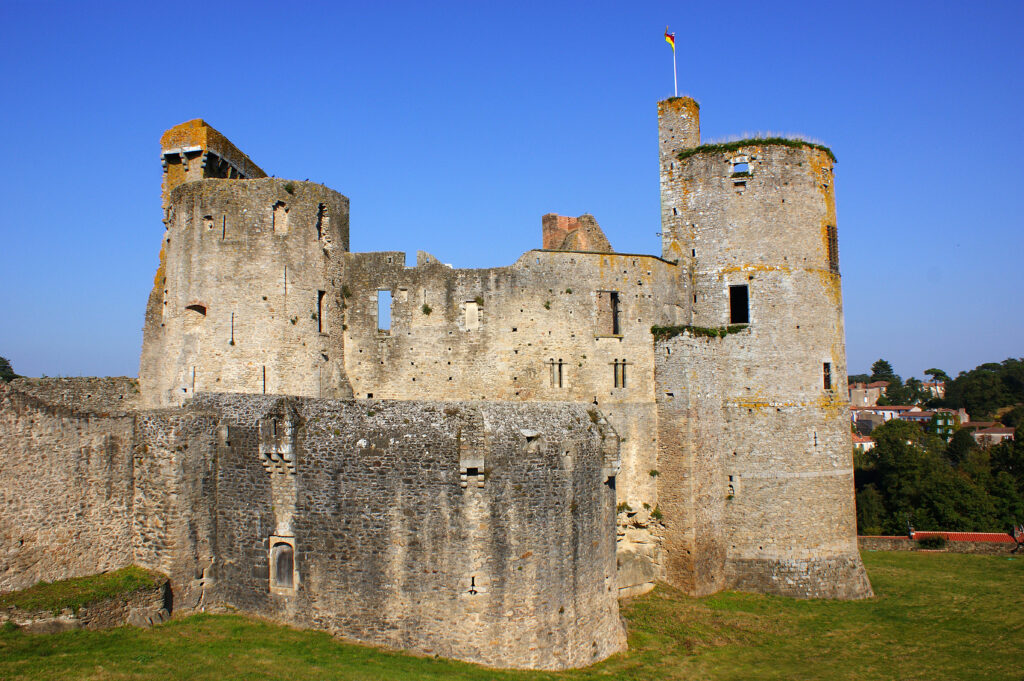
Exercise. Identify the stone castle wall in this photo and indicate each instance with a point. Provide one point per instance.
(478, 531)
(65, 478)
(539, 330)
(516, 568)
(247, 298)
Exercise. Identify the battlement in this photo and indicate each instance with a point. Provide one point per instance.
(195, 150)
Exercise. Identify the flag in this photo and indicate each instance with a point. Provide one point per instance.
(670, 38)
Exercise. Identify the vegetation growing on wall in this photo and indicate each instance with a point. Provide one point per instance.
(725, 147)
(665, 332)
(74, 593)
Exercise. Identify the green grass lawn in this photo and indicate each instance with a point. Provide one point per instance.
(935, 616)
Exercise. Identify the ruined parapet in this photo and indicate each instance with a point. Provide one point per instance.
(65, 478)
(194, 150)
(248, 295)
(563, 233)
(754, 222)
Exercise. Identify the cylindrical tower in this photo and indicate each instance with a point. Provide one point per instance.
(678, 130)
(756, 223)
(248, 295)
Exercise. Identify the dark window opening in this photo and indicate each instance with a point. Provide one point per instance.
(608, 313)
(472, 472)
(384, 311)
(320, 310)
(282, 557)
(826, 370)
(739, 305)
(472, 586)
(322, 220)
(833, 248)
(279, 218)
(201, 309)
(610, 482)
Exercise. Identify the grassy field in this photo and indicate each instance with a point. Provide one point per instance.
(936, 616)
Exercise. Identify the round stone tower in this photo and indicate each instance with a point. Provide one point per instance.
(248, 296)
(754, 222)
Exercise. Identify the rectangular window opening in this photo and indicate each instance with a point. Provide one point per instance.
(320, 326)
(826, 370)
(739, 305)
(833, 249)
(608, 313)
(384, 311)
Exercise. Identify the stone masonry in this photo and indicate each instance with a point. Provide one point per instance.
(473, 463)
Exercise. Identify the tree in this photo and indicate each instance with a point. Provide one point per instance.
(882, 371)
(938, 375)
(859, 378)
(6, 371)
(960, 445)
(870, 511)
(1014, 418)
(987, 388)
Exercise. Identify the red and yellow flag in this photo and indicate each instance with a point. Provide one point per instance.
(670, 38)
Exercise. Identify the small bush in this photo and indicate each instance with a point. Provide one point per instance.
(426, 309)
(289, 187)
(479, 300)
(623, 508)
(547, 304)
(653, 473)
(656, 514)
(932, 543)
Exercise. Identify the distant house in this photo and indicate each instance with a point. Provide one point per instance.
(935, 388)
(893, 411)
(986, 437)
(867, 394)
(866, 419)
(863, 442)
(942, 422)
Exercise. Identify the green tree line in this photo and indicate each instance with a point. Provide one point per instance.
(913, 476)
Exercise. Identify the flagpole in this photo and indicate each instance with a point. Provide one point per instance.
(675, 80)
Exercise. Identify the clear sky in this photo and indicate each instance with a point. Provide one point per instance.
(453, 126)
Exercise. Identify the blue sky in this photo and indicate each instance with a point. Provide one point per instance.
(453, 127)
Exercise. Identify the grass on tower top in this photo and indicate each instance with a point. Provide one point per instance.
(725, 147)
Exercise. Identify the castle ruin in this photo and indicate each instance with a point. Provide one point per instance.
(474, 463)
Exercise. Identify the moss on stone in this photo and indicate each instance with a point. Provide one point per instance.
(76, 592)
(665, 332)
(725, 147)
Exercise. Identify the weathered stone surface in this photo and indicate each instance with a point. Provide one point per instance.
(141, 608)
(510, 425)
(65, 479)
